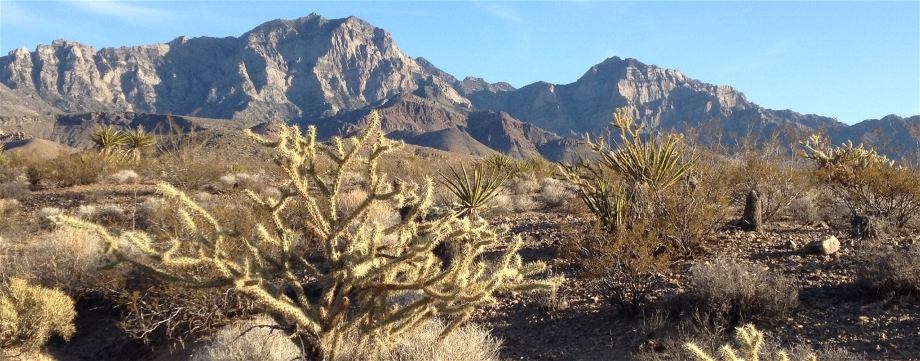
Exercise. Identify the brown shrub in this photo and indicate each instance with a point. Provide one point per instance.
(892, 271)
(468, 342)
(623, 265)
(776, 177)
(30, 315)
(731, 293)
(259, 339)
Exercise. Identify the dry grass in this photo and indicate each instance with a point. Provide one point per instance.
(733, 293)
(258, 339)
(894, 271)
(30, 315)
(65, 258)
(124, 176)
(468, 342)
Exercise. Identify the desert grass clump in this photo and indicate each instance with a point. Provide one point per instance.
(732, 293)
(349, 280)
(8, 206)
(30, 315)
(124, 176)
(554, 193)
(14, 189)
(64, 258)
(468, 342)
(259, 339)
(891, 271)
(473, 187)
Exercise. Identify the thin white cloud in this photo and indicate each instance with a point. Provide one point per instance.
(502, 12)
(121, 10)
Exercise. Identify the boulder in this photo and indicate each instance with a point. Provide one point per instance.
(827, 246)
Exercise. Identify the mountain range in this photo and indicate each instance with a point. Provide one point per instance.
(332, 72)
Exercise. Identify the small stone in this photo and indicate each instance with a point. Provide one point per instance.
(826, 246)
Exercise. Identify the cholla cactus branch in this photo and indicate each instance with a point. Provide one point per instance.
(751, 341)
(353, 281)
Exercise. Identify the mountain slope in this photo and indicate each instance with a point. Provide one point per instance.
(283, 69)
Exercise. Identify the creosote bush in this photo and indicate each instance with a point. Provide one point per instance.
(349, 281)
(727, 292)
(30, 315)
(650, 204)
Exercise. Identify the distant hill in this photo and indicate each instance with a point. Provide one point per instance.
(331, 73)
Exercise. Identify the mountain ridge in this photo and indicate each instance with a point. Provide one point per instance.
(332, 72)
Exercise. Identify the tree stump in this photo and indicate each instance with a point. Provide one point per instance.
(752, 218)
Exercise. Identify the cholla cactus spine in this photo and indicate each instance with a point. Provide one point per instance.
(363, 266)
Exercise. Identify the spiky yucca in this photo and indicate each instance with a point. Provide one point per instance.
(473, 187)
(751, 341)
(108, 139)
(635, 166)
(360, 276)
(136, 142)
(658, 163)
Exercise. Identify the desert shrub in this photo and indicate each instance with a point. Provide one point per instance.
(349, 282)
(8, 206)
(778, 180)
(30, 315)
(732, 293)
(65, 258)
(468, 342)
(124, 176)
(107, 139)
(624, 266)
(891, 270)
(554, 193)
(71, 170)
(259, 339)
(867, 183)
(649, 201)
(156, 312)
(14, 190)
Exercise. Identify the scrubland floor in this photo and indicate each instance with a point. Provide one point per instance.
(578, 323)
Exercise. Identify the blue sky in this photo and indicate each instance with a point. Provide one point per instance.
(849, 60)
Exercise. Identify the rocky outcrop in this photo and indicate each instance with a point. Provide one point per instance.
(661, 98)
(310, 67)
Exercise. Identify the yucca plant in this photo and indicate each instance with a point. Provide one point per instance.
(473, 187)
(108, 139)
(500, 161)
(136, 142)
(658, 163)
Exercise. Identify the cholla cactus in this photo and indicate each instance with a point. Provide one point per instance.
(819, 150)
(362, 269)
(751, 341)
